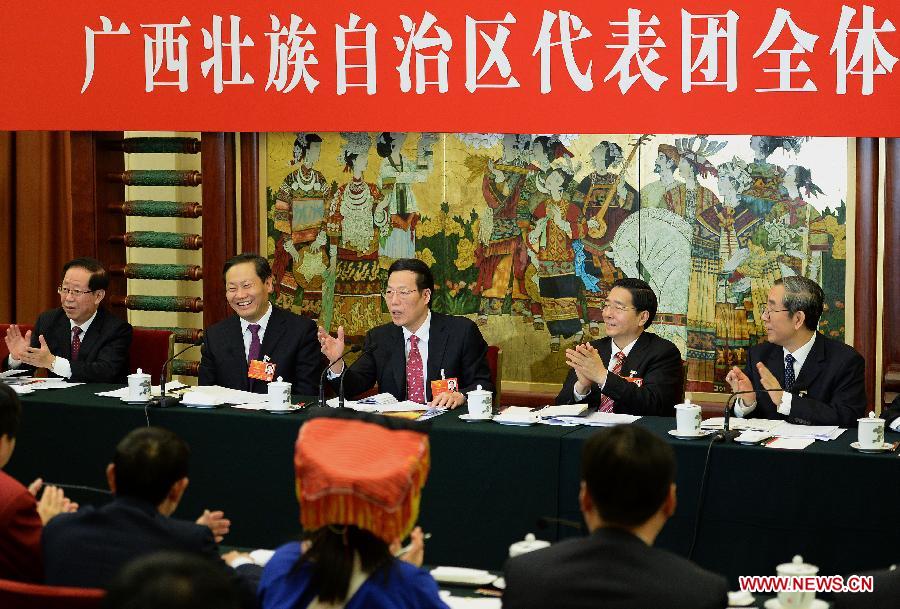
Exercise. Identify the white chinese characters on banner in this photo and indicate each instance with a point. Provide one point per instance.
(496, 56)
(709, 52)
(804, 42)
(291, 51)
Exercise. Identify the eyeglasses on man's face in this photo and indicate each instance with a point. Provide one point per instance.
(390, 293)
(765, 311)
(617, 307)
(63, 291)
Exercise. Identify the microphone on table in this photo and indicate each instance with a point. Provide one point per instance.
(353, 349)
(727, 435)
(544, 522)
(165, 401)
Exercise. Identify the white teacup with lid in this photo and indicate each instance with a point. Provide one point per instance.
(138, 386)
(479, 402)
(529, 544)
(796, 599)
(687, 418)
(871, 431)
(279, 393)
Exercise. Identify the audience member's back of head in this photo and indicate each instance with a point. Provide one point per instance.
(148, 461)
(172, 580)
(628, 472)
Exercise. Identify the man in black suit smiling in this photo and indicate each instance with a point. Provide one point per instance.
(404, 356)
(629, 371)
(79, 341)
(259, 332)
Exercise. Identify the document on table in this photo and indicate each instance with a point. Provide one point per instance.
(815, 432)
(738, 424)
(382, 402)
(563, 410)
(223, 395)
(50, 383)
(790, 443)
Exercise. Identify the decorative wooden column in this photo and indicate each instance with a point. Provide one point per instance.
(218, 169)
(866, 269)
(891, 329)
(250, 194)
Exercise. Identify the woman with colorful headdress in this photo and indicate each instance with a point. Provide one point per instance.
(359, 483)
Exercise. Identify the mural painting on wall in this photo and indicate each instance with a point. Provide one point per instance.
(525, 233)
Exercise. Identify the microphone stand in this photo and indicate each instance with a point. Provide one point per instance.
(164, 401)
(355, 348)
(727, 435)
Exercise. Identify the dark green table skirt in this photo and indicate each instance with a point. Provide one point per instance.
(490, 484)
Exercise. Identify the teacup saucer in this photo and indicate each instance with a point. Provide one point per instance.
(773, 603)
(884, 448)
(692, 436)
(476, 417)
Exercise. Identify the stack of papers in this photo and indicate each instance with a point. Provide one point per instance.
(380, 403)
(738, 424)
(517, 415)
(565, 410)
(596, 419)
(811, 432)
(35, 384)
(214, 395)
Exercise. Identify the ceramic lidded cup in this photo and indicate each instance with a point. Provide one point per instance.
(796, 599)
(529, 544)
(871, 431)
(479, 402)
(688, 418)
(138, 386)
(279, 393)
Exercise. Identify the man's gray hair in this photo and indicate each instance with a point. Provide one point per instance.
(803, 294)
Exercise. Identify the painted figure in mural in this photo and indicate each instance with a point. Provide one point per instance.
(556, 224)
(395, 179)
(804, 236)
(301, 252)
(691, 200)
(357, 217)
(665, 165)
(766, 190)
(545, 149)
(736, 224)
(501, 254)
(606, 200)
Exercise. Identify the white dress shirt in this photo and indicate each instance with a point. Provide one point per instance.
(741, 409)
(61, 366)
(612, 356)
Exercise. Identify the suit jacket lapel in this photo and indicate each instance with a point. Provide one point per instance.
(814, 364)
(90, 338)
(235, 346)
(60, 341)
(636, 356)
(605, 350)
(437, 345)
(398, 360)
(274, 333)
(775, 364)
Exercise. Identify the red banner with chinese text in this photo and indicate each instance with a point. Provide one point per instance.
(821, 67)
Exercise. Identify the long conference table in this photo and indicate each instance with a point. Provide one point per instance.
(492, 484)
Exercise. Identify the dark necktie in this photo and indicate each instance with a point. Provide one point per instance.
(76, 342)
(255, 346)
(415, 384)
(788, 371)
(607, 403)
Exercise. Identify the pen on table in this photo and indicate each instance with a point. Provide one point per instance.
(408, 546)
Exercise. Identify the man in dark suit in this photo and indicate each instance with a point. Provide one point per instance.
(629, 371)
(801, 375)
(883, 595)
(259, 332)
(21, 516)
(80, 341)
(627, 494)
(418, 347)
(148, 477)
(891, 416)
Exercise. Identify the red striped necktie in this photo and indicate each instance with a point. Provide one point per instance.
(607, 403)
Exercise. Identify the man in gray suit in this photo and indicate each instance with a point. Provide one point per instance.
(627, 494)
